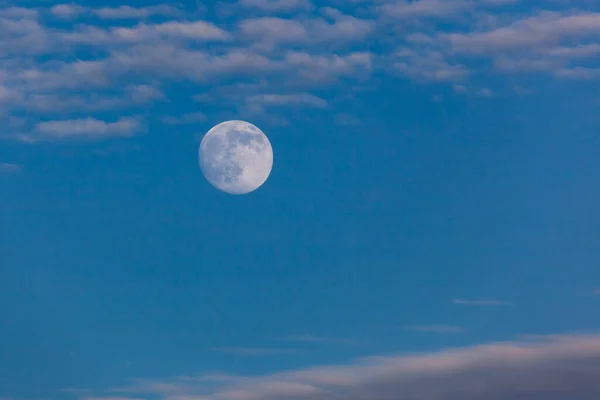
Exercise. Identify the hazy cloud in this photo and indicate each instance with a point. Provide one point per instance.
(297, 99)
(10, 168)
(345, 119)
(481, 302)
(86, 128)
(271, 31)
(131, 96)
(274, 6)
(254, 351)
(424, 8)
(546, 28)
(541, 368)
(429, 66)
(19, 13)
(67, 11)
(125, 12)
(307, 338)
(183, 119)
(435, 328)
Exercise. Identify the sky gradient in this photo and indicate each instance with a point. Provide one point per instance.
(430, 226)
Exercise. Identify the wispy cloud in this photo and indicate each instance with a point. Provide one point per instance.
(435, 328)
(183, 119)
(254, 351)
(19, 13)
(70, 11)
(259, 103)
(10, 168)
(60, 103)
(480, 302)
(128, 12)
(346, 119)
(83, 129)
(307, 338)
(276, 6)
(541, 368)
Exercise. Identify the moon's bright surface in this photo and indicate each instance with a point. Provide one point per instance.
(236, 157)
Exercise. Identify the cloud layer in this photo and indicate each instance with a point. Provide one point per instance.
(68, 59)
(544, 368)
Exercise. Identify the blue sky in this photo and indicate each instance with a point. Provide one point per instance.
(432, 213)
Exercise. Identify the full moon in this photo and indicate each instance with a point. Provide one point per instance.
(236, 157)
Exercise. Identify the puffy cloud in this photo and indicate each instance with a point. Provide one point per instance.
(289, 46)
(67, 11)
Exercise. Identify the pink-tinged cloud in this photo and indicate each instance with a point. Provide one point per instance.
(539, 368)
